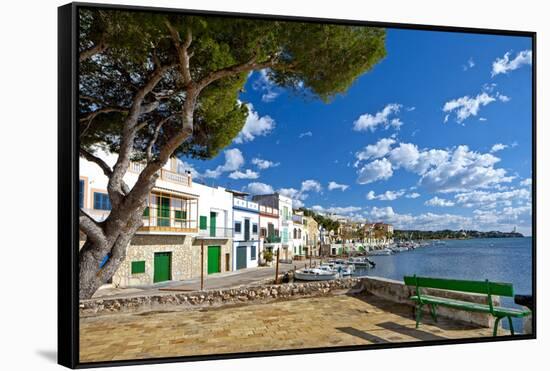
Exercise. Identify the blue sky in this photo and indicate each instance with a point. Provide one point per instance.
(437, 135)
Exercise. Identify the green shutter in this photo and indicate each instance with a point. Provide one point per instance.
(203, 221)
(138, 267)
(180, 215)
(146, 212)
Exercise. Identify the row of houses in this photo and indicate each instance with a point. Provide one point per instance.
(183, 217)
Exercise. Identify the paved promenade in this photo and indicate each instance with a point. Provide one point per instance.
(215, 281)
(302, 323)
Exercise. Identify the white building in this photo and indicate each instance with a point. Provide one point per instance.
(181, 218)
(298, 234)
(270, 237)
(284, 205)
(246, 231)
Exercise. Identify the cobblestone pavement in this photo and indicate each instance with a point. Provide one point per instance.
(301, 323)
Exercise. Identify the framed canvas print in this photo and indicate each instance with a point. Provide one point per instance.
(240, 185)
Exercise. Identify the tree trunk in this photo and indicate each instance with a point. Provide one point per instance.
(119, 228)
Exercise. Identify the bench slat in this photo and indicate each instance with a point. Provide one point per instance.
(478, 287)
(476, 307)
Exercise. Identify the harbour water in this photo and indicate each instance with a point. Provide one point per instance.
(495, 259)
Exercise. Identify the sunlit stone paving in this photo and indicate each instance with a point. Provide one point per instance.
(337, 320)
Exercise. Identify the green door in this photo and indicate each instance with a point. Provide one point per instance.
(241, 257)
(212, 224)
(163, 262)
(214, 256)
(163, 213)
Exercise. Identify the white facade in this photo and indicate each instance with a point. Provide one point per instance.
(298, 235)
(284, 205)
(270, 235)
(246, 232)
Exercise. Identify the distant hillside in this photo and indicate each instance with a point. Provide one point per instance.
(449, 234)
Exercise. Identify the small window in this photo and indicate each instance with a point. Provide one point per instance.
(263, 232)
(255, 228)
(138, 267)
(101, 201)
(81, 193)
(180, 215)
(252, 252)
(203, 222)
(237, 227)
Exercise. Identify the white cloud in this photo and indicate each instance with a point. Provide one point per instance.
(306, 134)
(466, 106)
(449, 170)
(233, 161)
(503, 98)
(469, 64)
(257, 188)
(504, 65)
(375, 170)
(346, 210)
(311, 185)
(377, 150)
(385, 118)
(412, 195)
(333, 185)
(526, 182)
(498, 147)
(485, 199)
(255, 126)
(184, 166)
(386, 196)
(269, 91)
(247, 174)
(464, 170)
(439, 202)
(264, 164)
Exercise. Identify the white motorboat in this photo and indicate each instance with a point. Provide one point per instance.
(315, 274)
(380, 252)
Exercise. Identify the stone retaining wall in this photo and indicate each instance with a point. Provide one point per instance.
(397, 292)
(391, 290)
(184, 300)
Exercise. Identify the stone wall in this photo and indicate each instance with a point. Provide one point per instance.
(185, 261)
(396, 291)
(184, 300)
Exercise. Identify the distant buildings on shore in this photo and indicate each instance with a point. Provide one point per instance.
(234, 230)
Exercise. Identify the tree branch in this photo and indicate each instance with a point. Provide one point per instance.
(103, 165)
(249, 65)
(149, 149)
(182, 50)
(91, 228)
(96, 49)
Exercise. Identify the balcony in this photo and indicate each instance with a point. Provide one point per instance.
(273, 239)
(215, 233)
(167, 212)
(269, 211)
(244, 204)
(166, 175)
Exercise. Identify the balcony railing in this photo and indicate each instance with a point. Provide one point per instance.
(167, 175)
(273, 239)
(216, 232)
(269, 210)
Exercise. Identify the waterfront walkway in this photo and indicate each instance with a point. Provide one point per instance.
(329, 321)
(225, 280)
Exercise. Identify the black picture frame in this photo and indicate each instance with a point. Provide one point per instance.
(68, 175)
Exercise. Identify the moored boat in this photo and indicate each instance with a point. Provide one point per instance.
(314, 274)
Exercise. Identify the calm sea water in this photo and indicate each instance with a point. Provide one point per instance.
(495, 259)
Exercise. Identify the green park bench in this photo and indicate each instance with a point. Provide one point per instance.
(478, 287)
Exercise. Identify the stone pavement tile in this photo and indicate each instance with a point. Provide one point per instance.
(301, 323)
